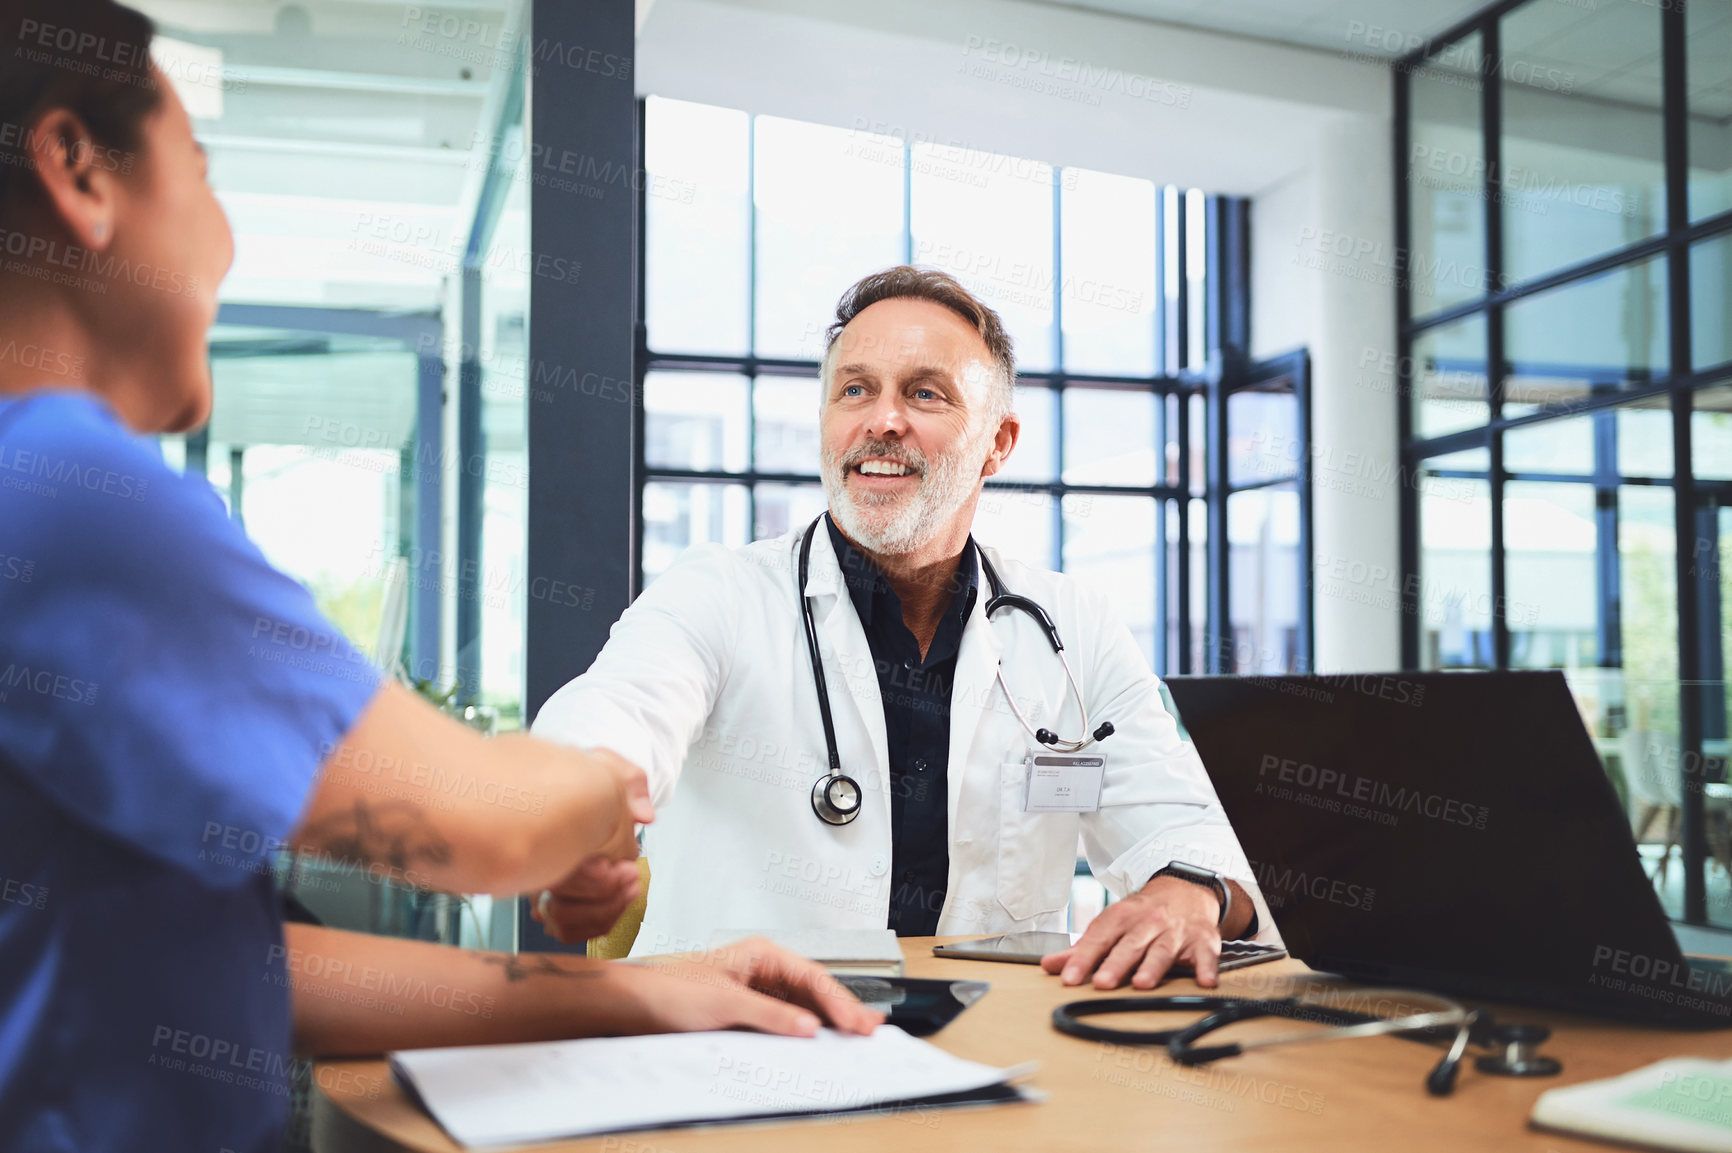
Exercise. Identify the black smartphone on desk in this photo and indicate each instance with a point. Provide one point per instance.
(919, 1006)
(1029, 948)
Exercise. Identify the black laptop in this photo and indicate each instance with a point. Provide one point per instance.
(1449, 831)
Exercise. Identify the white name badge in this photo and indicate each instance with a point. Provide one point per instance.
(1064, 783)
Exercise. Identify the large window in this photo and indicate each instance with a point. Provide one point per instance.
(369, 357)
(1116, 292)
(1564, 197)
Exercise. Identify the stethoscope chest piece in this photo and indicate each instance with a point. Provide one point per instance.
(1519, 1055)
(836, 799)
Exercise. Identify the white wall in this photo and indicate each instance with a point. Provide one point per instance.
(1356, 465)
(1167, 103)
(1304, 133)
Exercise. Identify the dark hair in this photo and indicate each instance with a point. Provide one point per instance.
(906, 282)
(91, 57)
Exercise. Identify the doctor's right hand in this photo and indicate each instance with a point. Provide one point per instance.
(589, 901)
(623, 802)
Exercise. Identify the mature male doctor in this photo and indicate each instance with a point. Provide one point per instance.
(944, 814)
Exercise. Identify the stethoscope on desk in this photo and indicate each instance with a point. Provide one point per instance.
(1519, 1044)
(836, 796)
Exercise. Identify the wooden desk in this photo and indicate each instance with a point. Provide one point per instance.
(1342, 1095)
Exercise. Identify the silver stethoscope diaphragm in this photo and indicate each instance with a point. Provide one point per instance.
(836, 798)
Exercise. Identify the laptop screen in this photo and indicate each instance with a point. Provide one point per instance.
(1454, 831)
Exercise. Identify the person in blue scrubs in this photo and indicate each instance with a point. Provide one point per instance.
(173, 711)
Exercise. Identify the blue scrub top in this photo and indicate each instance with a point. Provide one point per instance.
(166, 699)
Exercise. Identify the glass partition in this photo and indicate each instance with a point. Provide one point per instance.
(1263, 534)
(1575, 368)
(1708, 79)
(1592, 336)
(1454, 602)
(1446, 178)
(1711, 432)
(1550, 562)
(1583, 171)
(1711, 302)
(1448, 386)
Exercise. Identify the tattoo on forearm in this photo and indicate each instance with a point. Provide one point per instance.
(520, 968)
(395, 835)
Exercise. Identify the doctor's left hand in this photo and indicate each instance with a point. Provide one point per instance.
(1142, 936)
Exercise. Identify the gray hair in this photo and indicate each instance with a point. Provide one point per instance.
(906, 282)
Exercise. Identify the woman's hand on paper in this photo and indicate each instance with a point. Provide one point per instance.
(750, 984)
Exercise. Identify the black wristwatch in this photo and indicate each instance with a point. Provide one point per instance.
(1206, 878)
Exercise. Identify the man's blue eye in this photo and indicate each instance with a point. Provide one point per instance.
(851, 390)
(925, 394)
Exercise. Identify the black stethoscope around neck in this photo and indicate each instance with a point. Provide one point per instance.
(836, 796)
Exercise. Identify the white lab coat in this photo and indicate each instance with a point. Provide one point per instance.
(707, 684)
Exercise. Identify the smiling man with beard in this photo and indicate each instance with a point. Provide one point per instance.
(936, 817)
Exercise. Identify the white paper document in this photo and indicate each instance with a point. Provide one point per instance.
(488, 1095)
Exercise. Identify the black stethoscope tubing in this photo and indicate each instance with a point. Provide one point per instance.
(834, 783)
(1222, 1011)
(1181, 1044)
(836, 796)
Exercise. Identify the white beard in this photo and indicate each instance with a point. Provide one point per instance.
(891, 524)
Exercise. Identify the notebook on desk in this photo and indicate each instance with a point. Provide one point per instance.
(1448, 831)
(1683, 1103)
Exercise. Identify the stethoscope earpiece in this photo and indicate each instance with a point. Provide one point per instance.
(1045, 736)
(1441, 1082)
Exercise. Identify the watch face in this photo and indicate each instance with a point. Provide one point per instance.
(844, 795)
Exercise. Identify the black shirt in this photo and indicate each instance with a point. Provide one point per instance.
(916, 695)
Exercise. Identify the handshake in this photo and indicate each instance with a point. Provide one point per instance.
(588, 901)
(572, 848)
